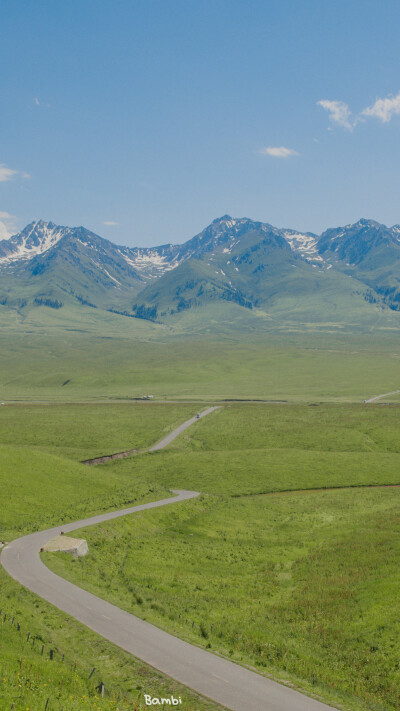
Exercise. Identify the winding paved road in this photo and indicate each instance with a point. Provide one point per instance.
(229, 684)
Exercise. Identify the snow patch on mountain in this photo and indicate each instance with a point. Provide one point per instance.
(149, 261)
(304, 244)
(111, 277)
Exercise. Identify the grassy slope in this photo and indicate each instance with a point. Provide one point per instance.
(41, 489)
(83, 431)
(302, 585)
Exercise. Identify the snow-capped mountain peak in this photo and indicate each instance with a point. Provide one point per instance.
(35, 239)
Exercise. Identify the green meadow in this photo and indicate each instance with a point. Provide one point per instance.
(288, 562)
(83, 431)
(91, 355)
(40, 483)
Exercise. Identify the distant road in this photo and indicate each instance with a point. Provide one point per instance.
(378, 397)
(160, 445)
(226, 683)
(169, 438)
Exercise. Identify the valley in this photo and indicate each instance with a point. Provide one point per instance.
(290, 335)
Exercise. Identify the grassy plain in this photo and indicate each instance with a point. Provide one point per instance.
(301, 584)
(82, 431)
(250, 449)
(92, 355)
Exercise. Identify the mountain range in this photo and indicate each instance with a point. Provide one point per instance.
(253, 265)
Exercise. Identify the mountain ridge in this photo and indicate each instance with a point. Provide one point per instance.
(248, 262)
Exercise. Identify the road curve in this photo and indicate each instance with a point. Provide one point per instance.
(378, 397)
(229, 684)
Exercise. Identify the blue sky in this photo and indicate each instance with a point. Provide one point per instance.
(160, 115)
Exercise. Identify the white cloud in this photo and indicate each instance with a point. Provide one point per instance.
(384, 109)
(278, 152)
(36, 100)
(110, 223)
(6, 173)
(4, 231)
(7, 227)
(339, 113)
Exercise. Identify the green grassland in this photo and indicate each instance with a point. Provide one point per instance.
(83, 431)
(218, 352)
(251, 449)
(301, 584)
(40, 483)
(42, 490)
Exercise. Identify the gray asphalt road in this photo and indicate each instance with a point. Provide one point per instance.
(168, 439)
(229, 684)
(378, 397)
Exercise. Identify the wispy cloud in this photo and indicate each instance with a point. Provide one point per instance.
(278, 152)
(7, 174)
(384, 109)
(339, 113)
(36, 100)
(110, 223)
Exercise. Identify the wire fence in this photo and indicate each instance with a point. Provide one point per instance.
(91, 676)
